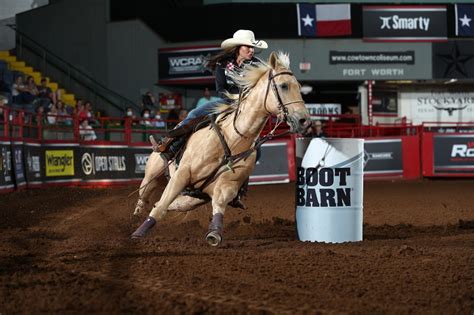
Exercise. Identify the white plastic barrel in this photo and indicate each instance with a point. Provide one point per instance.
(329, 189)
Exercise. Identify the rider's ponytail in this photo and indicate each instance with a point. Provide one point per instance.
(226, 54)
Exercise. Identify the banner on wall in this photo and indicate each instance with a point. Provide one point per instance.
(112, 163)
(383, 157)
(404, 23)
(323, 109)
(18, 169)
(437, 106)
(60, 163)
(6, 170)
(354, 59)
(34, 159)
(453, 154)
(185, 65)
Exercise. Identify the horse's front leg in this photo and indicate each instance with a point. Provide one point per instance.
(222, 195)
(175, 185)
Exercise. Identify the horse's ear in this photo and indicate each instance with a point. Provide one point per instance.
(273, 60)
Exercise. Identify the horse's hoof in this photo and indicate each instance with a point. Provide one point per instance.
(144, 228)
(213, 238)
(136, 236)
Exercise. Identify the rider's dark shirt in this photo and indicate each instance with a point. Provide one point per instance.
(224, 82)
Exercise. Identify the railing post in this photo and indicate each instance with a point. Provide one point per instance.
(39, 123)
(128, 130)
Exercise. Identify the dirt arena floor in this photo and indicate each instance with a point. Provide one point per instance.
(67, 251)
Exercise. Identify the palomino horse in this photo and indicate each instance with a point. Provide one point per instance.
(267, 88)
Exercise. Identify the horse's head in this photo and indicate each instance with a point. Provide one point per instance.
(283, 95)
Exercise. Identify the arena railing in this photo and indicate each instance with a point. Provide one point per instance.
(448, 127)
(20, 125)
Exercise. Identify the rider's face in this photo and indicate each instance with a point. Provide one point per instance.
(246, 52)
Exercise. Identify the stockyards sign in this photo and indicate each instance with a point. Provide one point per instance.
(185, 65)
(437, 106)
(354, 59)
(404, 23)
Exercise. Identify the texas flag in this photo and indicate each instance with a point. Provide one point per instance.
(464, 19)
(323, 19)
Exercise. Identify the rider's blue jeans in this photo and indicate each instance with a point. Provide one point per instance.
(200, 111)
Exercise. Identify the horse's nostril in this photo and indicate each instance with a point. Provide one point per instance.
(302, 121)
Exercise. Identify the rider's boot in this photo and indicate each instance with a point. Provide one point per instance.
(168, 149)
(237, 201)
(182, 129)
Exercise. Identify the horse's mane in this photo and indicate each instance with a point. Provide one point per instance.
(248, 77)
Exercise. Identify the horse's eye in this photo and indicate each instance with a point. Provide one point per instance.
(284, 86)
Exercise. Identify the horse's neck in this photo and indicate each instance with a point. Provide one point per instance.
(251, 119)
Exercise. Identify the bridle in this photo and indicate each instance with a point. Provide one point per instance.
(282, 107)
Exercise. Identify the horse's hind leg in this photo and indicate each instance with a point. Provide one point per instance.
(154, 169)
(175, 185)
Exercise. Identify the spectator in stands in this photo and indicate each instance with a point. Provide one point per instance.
(206, 98)
(63, 115)
(52, 115)
(129, 115)
(86, 131)
(72, 110)
(90, 114)
(45, 94)
(316, 129)
(39, 115)
(3, 103)
(3, 100)
(80, 111)
(149, 102)
(32, 88)
(159, 123)
(20, 92)
(145, 121)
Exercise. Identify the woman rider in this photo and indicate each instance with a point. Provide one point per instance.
(237, 52)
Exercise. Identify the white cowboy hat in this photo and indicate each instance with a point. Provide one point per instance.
(244, 37)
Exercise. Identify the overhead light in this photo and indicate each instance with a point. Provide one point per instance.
(306, 89)
(399, 81)
(450, 81)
